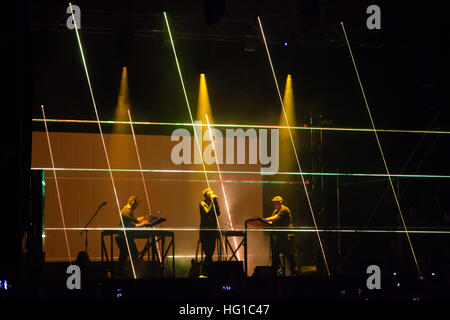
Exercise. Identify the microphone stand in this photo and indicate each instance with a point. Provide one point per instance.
(87, 224)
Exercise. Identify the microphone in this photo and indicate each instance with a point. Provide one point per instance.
(96, 212)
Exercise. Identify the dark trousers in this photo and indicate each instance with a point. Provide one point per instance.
(208, 241)
(284, 244)
(124, 265)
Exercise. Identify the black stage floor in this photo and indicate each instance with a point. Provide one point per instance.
(230, 286)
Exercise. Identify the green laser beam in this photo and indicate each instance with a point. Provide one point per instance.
(148, 123)
(295, 230)
(381, 150)
(190, 180)
(413, 176)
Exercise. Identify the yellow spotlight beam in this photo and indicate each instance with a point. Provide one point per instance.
(381, 151)
(103, 140)
(119, 139)
(294, 148)
(192, 120)
(288, 101)
(123, 100)
(204, 105)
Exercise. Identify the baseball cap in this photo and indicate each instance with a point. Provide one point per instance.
(277, 199)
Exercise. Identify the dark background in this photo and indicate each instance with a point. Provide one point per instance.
(402, 67)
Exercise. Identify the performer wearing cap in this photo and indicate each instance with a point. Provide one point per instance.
(282, 241)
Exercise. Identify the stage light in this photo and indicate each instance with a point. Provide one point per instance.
(142, 176)
(118, 293)
(4, 285)
(123, 100)
(289, 108)
(203, 106)
(285, 44)
(119, 140)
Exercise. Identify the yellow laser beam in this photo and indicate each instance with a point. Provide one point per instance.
(221, 183)
(103, 141)
(192, 119)
(57, 186)
(142, 176)
(293, 146)
(288, 101)
(123, 100)
(381, 151)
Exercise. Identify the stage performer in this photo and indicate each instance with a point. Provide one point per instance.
(129, 221)
(209, 211)
(282, 241)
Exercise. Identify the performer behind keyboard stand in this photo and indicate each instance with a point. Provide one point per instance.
(129, 221)
(209, 207)
(282, 242)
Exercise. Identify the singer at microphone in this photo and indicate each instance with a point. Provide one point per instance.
(209, 211)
